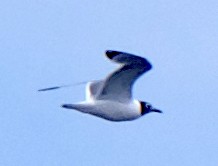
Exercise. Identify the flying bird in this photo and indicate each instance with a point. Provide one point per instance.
(111, 98)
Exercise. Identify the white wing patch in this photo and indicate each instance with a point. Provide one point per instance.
(88, 93)
(93, 89)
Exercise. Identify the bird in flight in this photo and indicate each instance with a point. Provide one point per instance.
(111, 98)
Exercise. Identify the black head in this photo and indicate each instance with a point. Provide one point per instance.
(147, 107)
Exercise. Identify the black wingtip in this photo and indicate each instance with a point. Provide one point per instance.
(63, 106)
(111, 54)
(46, 89)
(68, 106)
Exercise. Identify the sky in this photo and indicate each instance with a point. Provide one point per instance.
(46, 43)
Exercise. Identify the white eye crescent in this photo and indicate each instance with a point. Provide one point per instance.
(148, 105)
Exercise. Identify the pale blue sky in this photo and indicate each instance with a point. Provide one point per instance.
(45, 43)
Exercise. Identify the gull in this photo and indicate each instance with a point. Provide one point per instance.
(111, 98)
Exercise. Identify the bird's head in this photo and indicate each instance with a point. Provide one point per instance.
(147, 107)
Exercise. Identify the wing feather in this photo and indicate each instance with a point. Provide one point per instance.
(118, 85)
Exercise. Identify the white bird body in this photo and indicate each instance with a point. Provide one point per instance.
(111, 98)
(110, 110)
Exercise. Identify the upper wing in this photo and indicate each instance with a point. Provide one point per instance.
(118, 84)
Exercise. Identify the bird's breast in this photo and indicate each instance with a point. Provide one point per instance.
(116, 111)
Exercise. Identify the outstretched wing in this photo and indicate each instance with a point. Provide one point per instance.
(118, 85)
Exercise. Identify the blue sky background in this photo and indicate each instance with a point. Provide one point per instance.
(45, 43)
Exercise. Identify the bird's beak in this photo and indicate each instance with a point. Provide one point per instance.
(156, 110)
